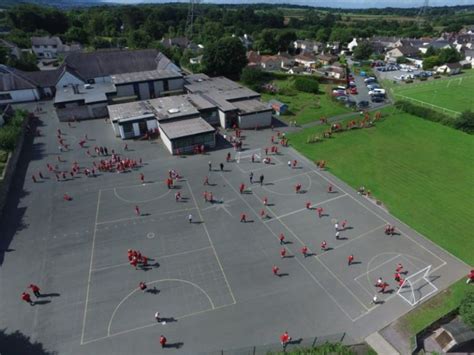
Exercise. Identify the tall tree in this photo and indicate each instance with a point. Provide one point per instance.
(225, 57)
(363, 51)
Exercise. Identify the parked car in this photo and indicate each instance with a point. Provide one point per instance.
(353, 91)
(363, 104)
(342, 98)
(370, 79)
(377, 98)
(337, 93)
(373, 86)
(377, 92)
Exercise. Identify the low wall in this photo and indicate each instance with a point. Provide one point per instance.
(27, 132)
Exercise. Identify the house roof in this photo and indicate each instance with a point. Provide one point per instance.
(253, 57)
(108, 62)
(186, 128)
(306, 57)
(11, 80)
(88, 94)
(326, 57)
(454, 65)
(407, 50)
(46, 41)
(144, 76)
(251, 106)
(182, 42)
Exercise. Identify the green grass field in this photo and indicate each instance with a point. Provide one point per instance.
(422, 171)
(304, 107)
(454, 94)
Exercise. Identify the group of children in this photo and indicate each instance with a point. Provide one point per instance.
(135, 258)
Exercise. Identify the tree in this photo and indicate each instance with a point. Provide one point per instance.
(431, 62)
(284, 40)
(363, 51)
(4, 54)
(254, 77)
(138, 39)
(465, 123)
(449, 55)
(466, 309)
(306, 84)
(430, 52)
(225, 57)
(267, 41)
(77, 34)
(322, 35)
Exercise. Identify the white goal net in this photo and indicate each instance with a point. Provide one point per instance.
(256, 154)
(417, 287)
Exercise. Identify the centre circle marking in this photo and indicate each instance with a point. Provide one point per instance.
(150, 235)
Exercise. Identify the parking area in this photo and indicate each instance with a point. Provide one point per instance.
(211, 279)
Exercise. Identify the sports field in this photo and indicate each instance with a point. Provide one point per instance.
(452, 96)
(422, 171)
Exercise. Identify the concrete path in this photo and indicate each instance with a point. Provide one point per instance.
(380, 345)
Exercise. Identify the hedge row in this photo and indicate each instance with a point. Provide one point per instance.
(11, 130)
(426, 113)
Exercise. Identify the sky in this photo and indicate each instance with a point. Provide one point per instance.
(323, 3)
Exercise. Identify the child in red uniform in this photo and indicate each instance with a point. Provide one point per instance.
(25, 296)
(263, 214)
(242, 188)
(243, 218)
(323, 245)
(275, 270)
(284, 339)
(350, 259)
(298, 188)
(320, 211)
(283, 253)
(35, 289)
(330, 188)
(308, 205)
(163, 341)
(265, 201)
(470, 277)
(137, 211)
(282, 239)
(399, 268)
(142, 286)
(304, 251)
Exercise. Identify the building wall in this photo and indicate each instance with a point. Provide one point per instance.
(176, 84)
(20, 96)
(222, 119)
(158, 87)
(262, 119)
(166, 141)
(144, 91)
(67, 79)
(98, 110)
(187, 144)
(103, 79)
(73, 112)
(125, 90)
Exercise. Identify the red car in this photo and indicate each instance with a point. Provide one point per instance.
(353, 91)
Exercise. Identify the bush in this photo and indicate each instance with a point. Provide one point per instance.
(425, 113)
(466, 309)
(254, 78)
(465, 122)
(306, 85)
(8, 137)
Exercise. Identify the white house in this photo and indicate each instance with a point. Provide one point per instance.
(449, 68)
(352, 44)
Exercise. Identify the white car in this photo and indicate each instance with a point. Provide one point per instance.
(377, 92)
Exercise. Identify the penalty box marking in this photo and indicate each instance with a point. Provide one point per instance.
(148, 217)
(379, 216)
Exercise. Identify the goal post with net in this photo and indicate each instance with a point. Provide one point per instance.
(248, 154)
(417, 287)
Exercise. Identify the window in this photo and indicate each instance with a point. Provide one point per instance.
(127, 128)
(5, 97)
(166, 85)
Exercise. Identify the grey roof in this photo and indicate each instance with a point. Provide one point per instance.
(200, 102)
(130, 110)
(459, 330)
(45, 78)
(163, 108)
(469, 52)
(220, 91)
(144, 76)
(251, 106)
(46, 41)
(89, 94)
(185, 128)
(11, 80)
(108, 62)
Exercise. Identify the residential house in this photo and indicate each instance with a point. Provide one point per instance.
(306, 59)
(386, 42)
(254, 58)
(296, 70)
(402, 51)
(326, 59)
(352, 44)
(51, 47)
(180, 42)
(307, 46)
(275, 62)
(469, 56)
(12, 48)
(334, 71)
(449, 68)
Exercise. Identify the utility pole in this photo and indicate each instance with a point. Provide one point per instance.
(193, 10)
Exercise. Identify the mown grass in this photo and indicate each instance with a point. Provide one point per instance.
(304, 107)
(422, 171)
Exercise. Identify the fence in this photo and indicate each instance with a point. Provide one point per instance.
(294, 344)
(431, 106)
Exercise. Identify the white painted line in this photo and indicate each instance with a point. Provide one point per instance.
(378, 266)
(140, 201)
(298, 261)
(145, 217)
(156, 258)
(210, 240)
(305, 209)
(151, 283)
(90, 268)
